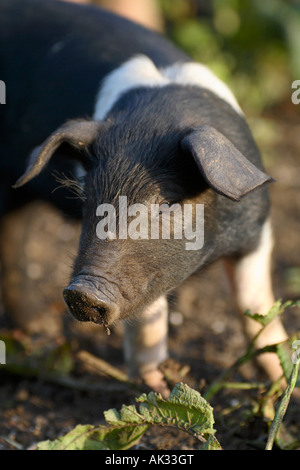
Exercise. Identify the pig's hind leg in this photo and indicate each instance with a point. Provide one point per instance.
(250, 277)
(145, 345)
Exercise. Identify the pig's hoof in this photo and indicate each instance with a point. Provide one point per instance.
(155, 381)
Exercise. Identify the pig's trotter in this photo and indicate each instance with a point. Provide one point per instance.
(250, 277)
(145, 345)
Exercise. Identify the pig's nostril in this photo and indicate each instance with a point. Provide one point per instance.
(87, 307)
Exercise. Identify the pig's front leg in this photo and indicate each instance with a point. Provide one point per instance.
(251, 281)
(145, 345)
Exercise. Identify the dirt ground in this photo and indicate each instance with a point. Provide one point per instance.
(205, 331)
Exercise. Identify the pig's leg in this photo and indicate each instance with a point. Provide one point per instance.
(145, 345)
(251, 281)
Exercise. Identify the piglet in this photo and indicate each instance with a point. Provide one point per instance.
(168, 172)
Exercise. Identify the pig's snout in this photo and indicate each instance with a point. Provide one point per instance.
(85, 306)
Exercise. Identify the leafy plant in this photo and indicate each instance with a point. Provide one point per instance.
(280, 349)
(290, 369)
(185, 409)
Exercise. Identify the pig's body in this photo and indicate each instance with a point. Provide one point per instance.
(158, 128)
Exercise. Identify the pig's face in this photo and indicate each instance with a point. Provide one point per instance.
(130, 191)
(117, 272)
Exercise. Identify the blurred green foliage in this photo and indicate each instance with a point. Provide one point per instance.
(253, 45)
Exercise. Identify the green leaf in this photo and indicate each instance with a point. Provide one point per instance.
(87, 437)
(284, 353)
(211, 444)
(81, 437)
(277, 309)
(185, 409)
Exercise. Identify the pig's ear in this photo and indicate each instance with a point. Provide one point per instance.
(78, 134)
(221, 164)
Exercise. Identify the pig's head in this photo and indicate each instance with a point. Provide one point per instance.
(117, 273)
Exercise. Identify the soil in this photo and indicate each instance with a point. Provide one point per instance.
(206, 334)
